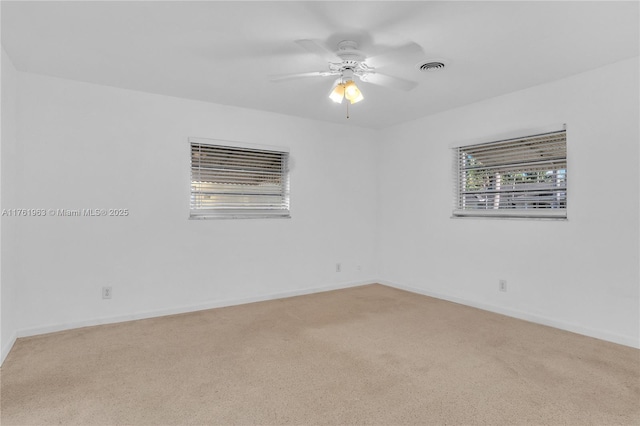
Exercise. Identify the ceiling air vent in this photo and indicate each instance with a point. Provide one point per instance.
(431, 66)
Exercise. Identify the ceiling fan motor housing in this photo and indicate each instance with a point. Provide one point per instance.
(348, 52)
(352, 61)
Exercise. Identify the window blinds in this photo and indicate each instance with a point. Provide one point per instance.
(522, 177)
(237, 182)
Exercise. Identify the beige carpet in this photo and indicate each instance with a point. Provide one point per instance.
(366, 355)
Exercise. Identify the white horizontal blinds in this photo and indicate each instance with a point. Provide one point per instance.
(238, 182)
(516, 177)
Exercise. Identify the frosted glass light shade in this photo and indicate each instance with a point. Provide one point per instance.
(337, 94)
(352, 93)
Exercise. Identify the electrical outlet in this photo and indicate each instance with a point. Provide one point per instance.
(502, 285)
(338, 267)
(106, 292)
(359, 268)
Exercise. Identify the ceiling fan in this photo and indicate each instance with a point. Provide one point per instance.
(347, 63)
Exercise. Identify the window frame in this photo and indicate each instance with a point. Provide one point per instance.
(559, 213)
(240, 213)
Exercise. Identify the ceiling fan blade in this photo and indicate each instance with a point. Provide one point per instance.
(284, 77)
(389, 81)
(316, 48)
(391, 54)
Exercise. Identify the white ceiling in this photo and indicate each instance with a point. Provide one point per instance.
(223, 52)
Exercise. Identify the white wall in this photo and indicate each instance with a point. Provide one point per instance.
(582, 274)
(89, 146)
(77, 145)
(8, 171)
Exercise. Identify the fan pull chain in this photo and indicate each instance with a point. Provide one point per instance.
(347, 110)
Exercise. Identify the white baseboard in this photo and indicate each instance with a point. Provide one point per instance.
(7, 348)
(575, 328)
(633, 342)
(182, 309)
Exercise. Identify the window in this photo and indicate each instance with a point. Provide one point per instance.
(231, 180)
(521, 177)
